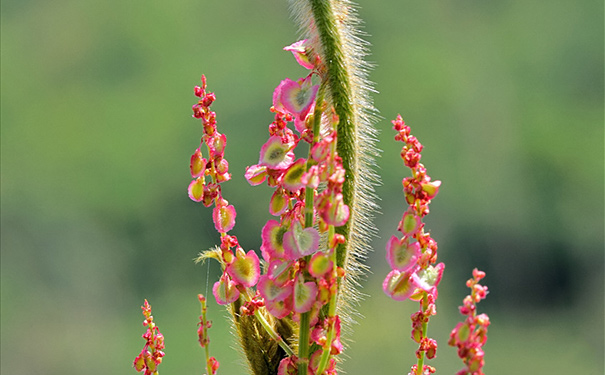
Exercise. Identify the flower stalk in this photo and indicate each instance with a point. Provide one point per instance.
(322, 214)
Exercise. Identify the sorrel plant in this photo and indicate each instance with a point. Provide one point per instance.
(290, 308)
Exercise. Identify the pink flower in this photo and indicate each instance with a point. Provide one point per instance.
(301, 52)
(299, 242)
(224, 217)
(225, 290)
(288, 366)
(334, 213)
(216, 144)
(279, 202)
(398, 285)
(197, 164)
(272, 291)
(295, 97)
(245, 268)
(429, 278)
(196, 189)
(401, 254)
(273, 237)
(292, 179)
(431, 188)
(409, 224)
(304, 294)
(256, 174)
(276, 154)
(320, 264)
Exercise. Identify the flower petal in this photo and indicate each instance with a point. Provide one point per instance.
(398, 285)
(245, 268)
(292, 178)
(256, 174)
(401, 254)
(319, 265)
(300, 52)
(299, 242)
(295, 97)
(272, 291)
(225, 291)
(224, 218)
(196, 189)
(409, 224)
(279, 202)
(304, 294)
(198, 164)
(273, 237)
(429, 278)
(275, 154)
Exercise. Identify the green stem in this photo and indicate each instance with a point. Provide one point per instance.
(207, 346)
(303, 343)
(420, 364)
(272, 333)
(338, 81)
(270, 330)
(325, 355)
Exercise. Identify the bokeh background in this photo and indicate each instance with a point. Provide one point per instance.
(506, 96)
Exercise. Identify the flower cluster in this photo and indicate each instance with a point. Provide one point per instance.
(202, 333)
(470, 336)
(152, 354)
(215, 166)
(242, 269)
(412, 256)
(308, 200)
(300, 276)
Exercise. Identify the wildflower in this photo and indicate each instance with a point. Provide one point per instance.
(244, 269)
(276, 154)
(273, 237)
(470, 335)
(401, 254)
(304, 294)
(301, 52)
(299, 242)
(225, 290)
(295, 98)
(223, 216)
(151, 356)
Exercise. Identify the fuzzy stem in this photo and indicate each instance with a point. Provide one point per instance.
(270, 330)
(338, 81)
(273, 333)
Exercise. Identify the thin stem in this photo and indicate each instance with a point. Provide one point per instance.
(420, 364)
(325, 355)
(207, 344)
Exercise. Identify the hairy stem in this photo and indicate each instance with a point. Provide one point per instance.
(338, 81)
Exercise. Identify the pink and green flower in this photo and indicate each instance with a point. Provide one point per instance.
(301, 52)
(245, 268)
(276, 154)
(401, 254)
(299, 242)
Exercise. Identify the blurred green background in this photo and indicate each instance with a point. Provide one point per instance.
(506, 96)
